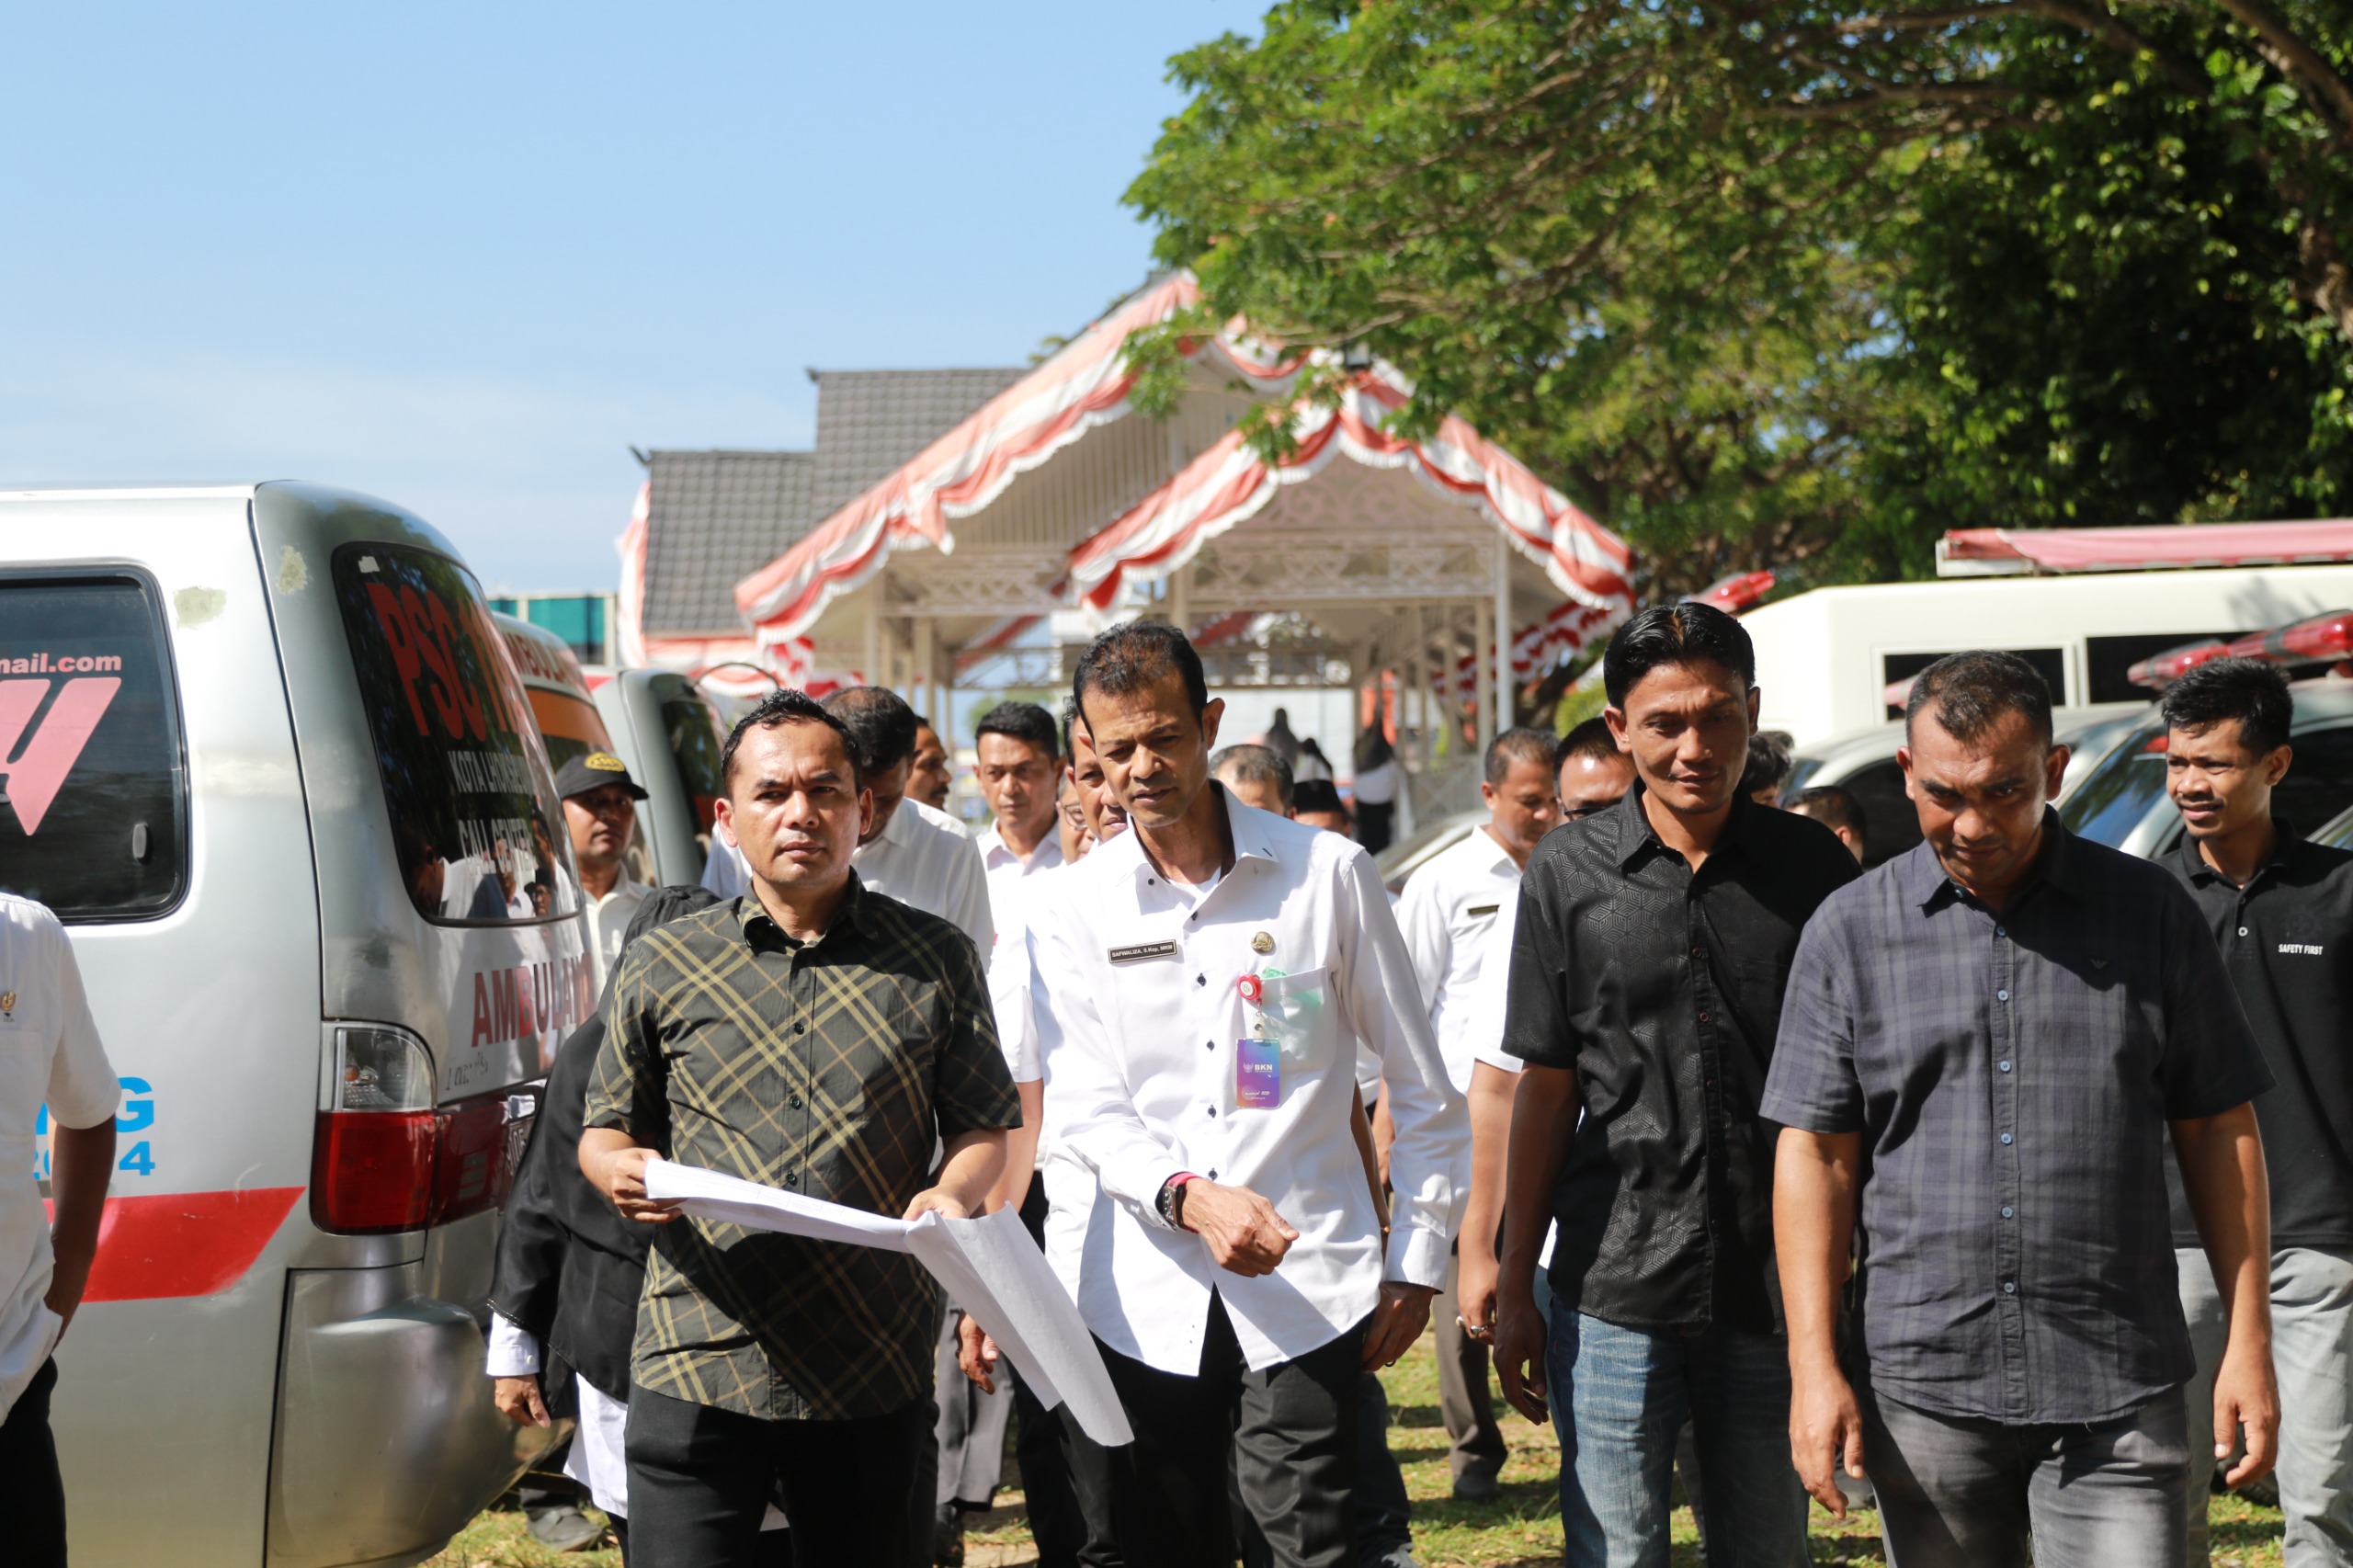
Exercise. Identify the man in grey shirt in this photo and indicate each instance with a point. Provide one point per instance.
(1984, 1045)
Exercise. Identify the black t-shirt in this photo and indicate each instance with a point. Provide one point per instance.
(2287, 939)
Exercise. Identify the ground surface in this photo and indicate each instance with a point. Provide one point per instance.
(1520, 1529)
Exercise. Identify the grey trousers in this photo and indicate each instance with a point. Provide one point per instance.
(1967, 1494)
(970, 1428)
(1465, 1403)
(2312, 1344)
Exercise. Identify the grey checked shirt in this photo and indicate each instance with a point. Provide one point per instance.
(2012, 1077)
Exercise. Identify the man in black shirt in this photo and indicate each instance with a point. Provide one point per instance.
(1652, 943)
(2282, 910)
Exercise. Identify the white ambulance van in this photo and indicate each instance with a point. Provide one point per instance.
(267, 758)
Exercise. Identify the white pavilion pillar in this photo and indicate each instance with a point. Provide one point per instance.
(870, 667)
(1483, 637)
(1502, 720)
(1180, 598)
(926, 667)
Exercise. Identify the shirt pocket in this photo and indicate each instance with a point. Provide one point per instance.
(1301, 1016)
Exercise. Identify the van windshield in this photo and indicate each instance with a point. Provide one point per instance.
(473, 808)
(2124, 789)
(692, 731)
(93, 785)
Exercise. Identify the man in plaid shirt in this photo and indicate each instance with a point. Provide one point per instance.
(819, 1038)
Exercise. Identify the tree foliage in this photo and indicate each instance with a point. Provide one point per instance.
(1796, 284)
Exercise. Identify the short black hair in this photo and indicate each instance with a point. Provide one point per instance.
(1829, 804)
(1768, 762)
(1026, 722)
(785, 706)
(1134, 654)
(880, 724)
(1972, 691)
(1518, 743)
(2253, 691)
(1592, 738)
(1253, 764)
(1319, 795)
(1674, 634)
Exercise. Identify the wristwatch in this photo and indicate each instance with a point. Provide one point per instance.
(1171, 1202)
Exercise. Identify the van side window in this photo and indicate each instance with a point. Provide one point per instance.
(92, 778)
(692, 731)
(479, 833)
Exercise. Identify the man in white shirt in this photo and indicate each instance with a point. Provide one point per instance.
(933, 777)
(1198, 984)
(1449, 911)
(600, 814)
(918, 856)
(49, 1052)
(1020, 770)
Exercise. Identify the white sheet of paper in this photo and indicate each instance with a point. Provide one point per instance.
(988, 1266)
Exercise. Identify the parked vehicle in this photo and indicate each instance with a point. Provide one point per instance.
(276, 773)
(667, 731)
(1863, 764)
(1825, 660)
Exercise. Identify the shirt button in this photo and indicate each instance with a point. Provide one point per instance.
(793, 1178)
(1703, 1017)
(795, 1102)
(2009, 1287)
(2001, 996)
(1212, 1113)
(2003, 1065)
(2006, 1137)
(1200, 980)
(801, 1028)
(1209, 1045)
(1212, 1176)
(2001, 931)
(2242, 930)
(2006, 1210)
(1698, 952)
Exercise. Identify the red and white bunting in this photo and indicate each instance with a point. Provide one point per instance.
(1083, 385)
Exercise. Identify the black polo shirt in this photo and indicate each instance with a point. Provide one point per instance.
(2287, 941)
(1662, 989)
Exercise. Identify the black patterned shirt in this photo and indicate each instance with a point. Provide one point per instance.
(826, 1068)
(2011, 1075)
(1661, 988)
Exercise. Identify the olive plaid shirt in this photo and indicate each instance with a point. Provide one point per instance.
(826, 1068)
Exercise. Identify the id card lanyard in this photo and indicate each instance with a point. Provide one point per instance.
(1257, 1056)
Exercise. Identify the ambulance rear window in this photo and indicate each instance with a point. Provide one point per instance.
(475, 821)
(92, 780)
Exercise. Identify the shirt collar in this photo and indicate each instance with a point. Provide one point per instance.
(992, 846)
(751, 915)
(2062, 865)
(1637, 838)
(2193, 865)
(1252, 840)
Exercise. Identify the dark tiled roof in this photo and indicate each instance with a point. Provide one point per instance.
(716, 518)
(869, 422)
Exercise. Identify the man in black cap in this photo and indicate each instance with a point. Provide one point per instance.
(600, 813)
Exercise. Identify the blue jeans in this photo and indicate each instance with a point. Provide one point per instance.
(1620, 1395)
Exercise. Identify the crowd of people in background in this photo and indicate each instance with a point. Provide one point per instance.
(2005, 1184)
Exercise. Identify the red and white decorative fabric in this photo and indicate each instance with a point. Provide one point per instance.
(1230, 483)
(1083, 385)
(2151, 549)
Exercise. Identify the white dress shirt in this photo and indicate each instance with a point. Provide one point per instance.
(609, 919)
(1133, 990)
(1451, 908)
(49, 1052)
(1006, 870)
(1489, 992)
(923, 860)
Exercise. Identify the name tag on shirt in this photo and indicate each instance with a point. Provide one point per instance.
(1257, 1074)
(1140, 952)
(1476, 910)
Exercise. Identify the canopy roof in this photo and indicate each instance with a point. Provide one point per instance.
(1978, 552)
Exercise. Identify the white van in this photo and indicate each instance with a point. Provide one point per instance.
(274, 769)
(1824, 660)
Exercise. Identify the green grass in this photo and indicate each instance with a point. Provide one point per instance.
(1519, 1530)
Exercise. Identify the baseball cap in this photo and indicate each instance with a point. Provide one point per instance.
(594, 770)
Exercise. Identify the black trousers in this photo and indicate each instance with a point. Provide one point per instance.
(700, 1479)
(1288, 1434)
(32, 1493)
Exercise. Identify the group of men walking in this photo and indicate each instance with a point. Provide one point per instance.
(1712, 1140)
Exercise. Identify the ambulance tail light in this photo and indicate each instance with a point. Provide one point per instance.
(372, 1156)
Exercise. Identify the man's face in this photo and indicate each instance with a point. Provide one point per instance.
(1070, 821)
(1105, 818)
(931, 779)
(1018, 781)
(2218, 784)
(794, 807)
(601, 822)
(1259, 792)
(1687, 727)
(888, 786)
(1981, 802)
(1588, 784)
(1156, 751)
(1521, 809)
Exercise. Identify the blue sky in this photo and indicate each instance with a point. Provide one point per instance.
(463, 256)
